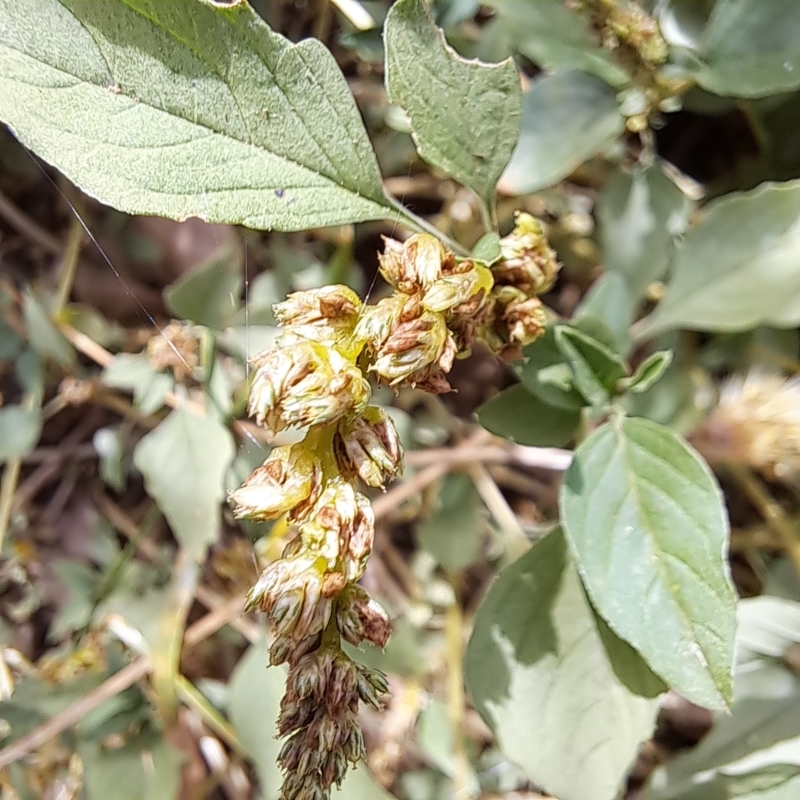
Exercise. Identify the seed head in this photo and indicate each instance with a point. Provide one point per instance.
(412, 266)
(326, 315)
(340, 528)
(369, 447)
(359, 617)
(528, 262)
(305, 383)
(411, 346)
(466, 282)
(289, 477)
(521, 320)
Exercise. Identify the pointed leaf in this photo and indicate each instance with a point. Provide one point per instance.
(487, 249)
(134, 372)
(645, 522)
(184, 461)
(739, 267)
(19, 431)
(187, 108)
(542, 679)
(566, 119)
(520, 416)
(648, 372)
(465, 115)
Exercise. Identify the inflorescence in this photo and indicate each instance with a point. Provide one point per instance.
(316, 378)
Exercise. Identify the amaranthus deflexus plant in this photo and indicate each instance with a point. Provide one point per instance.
(316, 378)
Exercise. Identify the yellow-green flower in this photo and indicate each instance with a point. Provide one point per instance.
(528, 263)
(413, 265)
(305, 383)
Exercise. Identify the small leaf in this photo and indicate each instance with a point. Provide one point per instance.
(254, 698)
(20, 429)
(646, 525)
(184, 461)
(465, 115)
(566, 119)
(547, 375)
(639, 216)
(542, 679)
(520, 416)
(135, 373)
(552, 36)
(43, 336)
(193, 109)
(649, 371)
(210, 294)
(595, 368)
(80, 582)
(487, 249)
(739, 267)
(452, 533)
(749, 48)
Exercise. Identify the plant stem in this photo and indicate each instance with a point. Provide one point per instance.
(423, 226)
(456, 700)
(69, 265)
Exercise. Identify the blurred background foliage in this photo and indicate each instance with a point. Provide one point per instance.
(128, 670)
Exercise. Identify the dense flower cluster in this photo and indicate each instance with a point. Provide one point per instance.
(315, 379)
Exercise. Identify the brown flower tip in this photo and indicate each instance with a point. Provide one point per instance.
(528, 263)
(368, 447)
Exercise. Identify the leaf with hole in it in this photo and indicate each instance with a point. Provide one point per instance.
(647, 527)
(639, 216)
(595, 368)
(539, 672)
(520, 416)
(465, 115)
(19, 431)
(211, 294)
(567, 118)
(187, 108)
(738, 268)
(184, 461)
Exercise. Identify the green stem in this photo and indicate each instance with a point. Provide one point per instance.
(423, 226)
(69, 266)
(456, 701)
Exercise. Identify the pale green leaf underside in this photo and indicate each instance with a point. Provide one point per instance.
(646, 525)
(740, 267)
(465, 114)
(184, 109)
(541, 677)
(184, 461)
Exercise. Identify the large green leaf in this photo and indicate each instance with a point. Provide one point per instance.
(187, 108)
(647, 527)
(520, 416)
(541, 677)
(749, 48)
(552, 36)
(739, 267)
(640, 214)
(184, 461)
(566, 119)
(465, 115)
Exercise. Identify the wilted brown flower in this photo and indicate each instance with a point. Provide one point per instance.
(528, 263)
(368, 447)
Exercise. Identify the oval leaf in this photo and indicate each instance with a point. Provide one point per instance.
(541, 677)
(19, 431)
(465, 114)
(520, 416)
(184, 461)
(739, 267)
(645, 521)
(255, 131)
